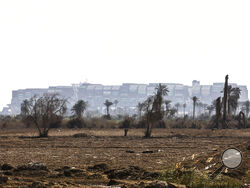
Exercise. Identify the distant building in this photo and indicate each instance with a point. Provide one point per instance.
(128, 94)
(6, 111)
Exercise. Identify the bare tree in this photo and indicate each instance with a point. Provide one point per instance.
(44, 111)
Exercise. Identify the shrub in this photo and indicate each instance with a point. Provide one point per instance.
(140, 124)
(102, 123)
(79, 135)
(160, 124)
(76, 123)
(57, 123)
(126, 123)
(108, 117)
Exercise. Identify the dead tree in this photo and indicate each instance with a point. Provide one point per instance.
(225, 100)
(218, 112)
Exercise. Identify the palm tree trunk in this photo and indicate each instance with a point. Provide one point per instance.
(107, 111)
(193, 110)
(225, 101)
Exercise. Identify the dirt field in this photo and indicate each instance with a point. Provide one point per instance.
(113, 151)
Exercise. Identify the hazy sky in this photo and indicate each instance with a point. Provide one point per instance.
(45, 43)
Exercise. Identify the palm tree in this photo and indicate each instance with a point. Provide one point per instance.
(161, 90)
(167, 106)
(184, 108)
(108, 103)
(247, 107)
(167, 103)
(204, 107)
(79, 108)
(194, 99)
(116, 102)
(233, 97)
(172, 112)
(199, 105)
(140, 107)
(230, 100)
(25, 107)
(153, 108)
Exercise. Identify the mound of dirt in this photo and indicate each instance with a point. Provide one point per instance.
(95, 176)
(132, 173)
(3, 179)
(32, 169)
(98, 167)
(113, 182)
(70, 172)
(38, 184)
(6, 166)
(32, 166)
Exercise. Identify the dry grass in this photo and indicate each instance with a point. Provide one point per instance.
(132, 132)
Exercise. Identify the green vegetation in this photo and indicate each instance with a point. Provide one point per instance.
(153, 108)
